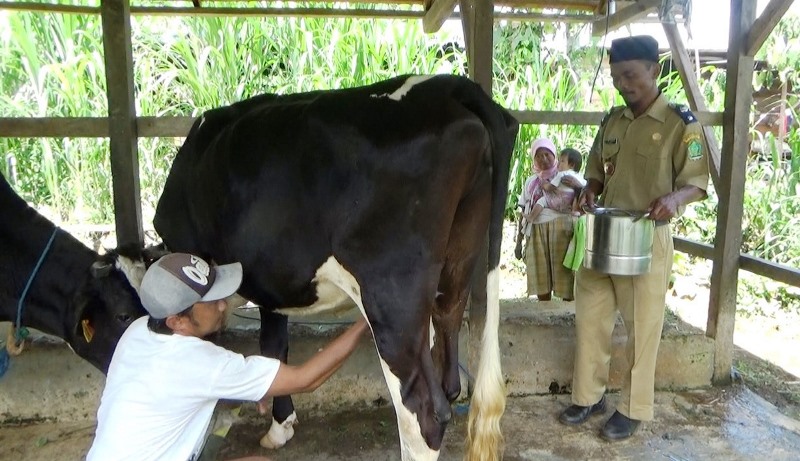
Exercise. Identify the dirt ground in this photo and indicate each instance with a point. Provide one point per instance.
(731, 424)
(756, 418)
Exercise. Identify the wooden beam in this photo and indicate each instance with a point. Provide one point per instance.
(291, 12)
(696, 100)
(54, 127)
(699, 249)
(48, 8)
(166, 127)
(554, 117)
(771, 270)
(764, 25)
(582, 5)
(752, 264)
(623, 17)
(735, 143)
(437, 14)
(122, 120)
(277, 12)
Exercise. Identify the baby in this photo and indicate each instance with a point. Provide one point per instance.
(559, 195)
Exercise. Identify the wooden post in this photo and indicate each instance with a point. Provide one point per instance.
(724, 275)
(122, 120)
(467, 8)
(763, 26)
(696, 101)
(477, 19)
(483, 46)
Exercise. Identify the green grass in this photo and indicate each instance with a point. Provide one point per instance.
(53, 66)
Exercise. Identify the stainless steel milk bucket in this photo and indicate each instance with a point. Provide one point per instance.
(618, 242)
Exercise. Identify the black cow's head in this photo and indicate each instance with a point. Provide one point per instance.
(107, 304)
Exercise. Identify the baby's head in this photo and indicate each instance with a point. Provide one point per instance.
(570, 159)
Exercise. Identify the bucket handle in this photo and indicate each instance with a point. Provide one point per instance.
(635, 216)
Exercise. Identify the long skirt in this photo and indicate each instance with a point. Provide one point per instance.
(544, 258)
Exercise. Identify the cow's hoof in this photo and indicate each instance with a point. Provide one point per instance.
(279, 433)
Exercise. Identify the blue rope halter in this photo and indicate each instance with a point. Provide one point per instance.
(22, 332)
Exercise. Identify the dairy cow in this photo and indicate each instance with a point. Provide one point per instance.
(379, 196)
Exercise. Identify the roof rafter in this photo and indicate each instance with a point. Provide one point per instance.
(764, 25)
(439, 11)
(623, 17)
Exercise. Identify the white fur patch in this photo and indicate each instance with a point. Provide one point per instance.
(403, 90)
(412, 445)
(279, 433)
(337, 289)
(431, 333)
(133, 270)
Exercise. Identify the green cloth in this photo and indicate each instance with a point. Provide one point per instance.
(577, 246)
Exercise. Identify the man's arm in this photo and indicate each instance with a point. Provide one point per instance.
(666, 206)
(589, 194)
(690, 163)
(307, 377)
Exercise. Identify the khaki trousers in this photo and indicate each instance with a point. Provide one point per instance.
(641, 301)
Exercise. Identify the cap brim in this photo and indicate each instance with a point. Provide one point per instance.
(229, 277)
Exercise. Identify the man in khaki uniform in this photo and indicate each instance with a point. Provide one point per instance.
(648, 155)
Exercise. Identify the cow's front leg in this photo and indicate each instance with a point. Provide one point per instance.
(274, 342)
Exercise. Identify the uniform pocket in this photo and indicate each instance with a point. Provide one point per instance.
(650, 162)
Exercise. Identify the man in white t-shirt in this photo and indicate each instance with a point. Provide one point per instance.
(165, 379)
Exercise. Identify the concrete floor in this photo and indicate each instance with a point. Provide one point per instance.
(56, 394)
(710, 424)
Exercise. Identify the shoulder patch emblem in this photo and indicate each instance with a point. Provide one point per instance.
(694, 149)
(690, 137)
(684, 113)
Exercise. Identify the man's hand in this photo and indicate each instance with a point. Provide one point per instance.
(588, 195)
(664, 207)
(586, 199)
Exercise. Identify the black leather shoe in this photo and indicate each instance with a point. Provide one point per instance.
(619, 427)
(576, 414)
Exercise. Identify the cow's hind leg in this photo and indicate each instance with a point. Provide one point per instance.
(397, 297)
(400, 316)
(274, 342)
(465, 243)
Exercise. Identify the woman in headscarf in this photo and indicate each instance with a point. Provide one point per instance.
(548, 235)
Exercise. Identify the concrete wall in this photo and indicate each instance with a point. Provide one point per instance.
(537, 345)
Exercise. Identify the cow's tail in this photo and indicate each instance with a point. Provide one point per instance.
(484, 438)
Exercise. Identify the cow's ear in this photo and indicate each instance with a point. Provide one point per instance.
(153, 253)
(100, 269)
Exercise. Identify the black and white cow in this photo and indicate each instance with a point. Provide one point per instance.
(380, 196)
(80, 296)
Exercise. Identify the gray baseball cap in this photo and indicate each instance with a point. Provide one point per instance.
(178, 280)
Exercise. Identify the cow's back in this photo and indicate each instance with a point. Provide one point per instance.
(281, 183)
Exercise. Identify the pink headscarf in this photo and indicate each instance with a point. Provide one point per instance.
(535, 190)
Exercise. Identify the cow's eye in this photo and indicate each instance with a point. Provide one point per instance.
(125, 319)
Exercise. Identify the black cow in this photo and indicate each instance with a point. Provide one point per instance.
(80, 296)
(380, 196)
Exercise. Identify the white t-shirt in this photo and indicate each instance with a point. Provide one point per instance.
(161, 391)
(525, 201)
(556, 181)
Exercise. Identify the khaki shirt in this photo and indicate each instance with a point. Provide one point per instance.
(641, 159)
